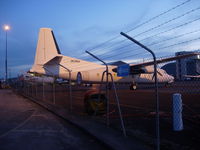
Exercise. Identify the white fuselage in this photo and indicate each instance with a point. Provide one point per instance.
(91, 72)
(49, 61)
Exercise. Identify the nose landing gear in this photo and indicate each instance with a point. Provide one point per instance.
(133, 86)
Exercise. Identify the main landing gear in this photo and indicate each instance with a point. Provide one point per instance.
(133, 86)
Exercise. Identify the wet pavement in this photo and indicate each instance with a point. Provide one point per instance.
(25, 125)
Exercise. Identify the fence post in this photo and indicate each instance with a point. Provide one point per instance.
(32, 89)
(24, 88)
(118, 105)
(28, 93)
(43, 89)
(53, 82)
(36, 90)
(107, 94)
(177, 112)
(54, 96)
(70, 88)
(156, 87)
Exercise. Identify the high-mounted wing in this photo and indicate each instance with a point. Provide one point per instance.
(138, 68)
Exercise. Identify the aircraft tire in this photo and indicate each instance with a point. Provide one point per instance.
(133, 86)
(79, 78)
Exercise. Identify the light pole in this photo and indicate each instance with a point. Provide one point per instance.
(6, 28)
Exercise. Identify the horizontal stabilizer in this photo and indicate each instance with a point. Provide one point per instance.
(54, 61)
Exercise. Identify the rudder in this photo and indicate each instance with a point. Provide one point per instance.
(47, 47)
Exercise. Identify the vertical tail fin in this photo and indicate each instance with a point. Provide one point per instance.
(47, 47)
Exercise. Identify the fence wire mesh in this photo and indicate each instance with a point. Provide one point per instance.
(173, 30)
(138, 108)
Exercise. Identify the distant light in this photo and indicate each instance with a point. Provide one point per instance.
(198, 56)
(6, 27)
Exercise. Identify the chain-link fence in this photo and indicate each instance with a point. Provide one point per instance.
(138, 108)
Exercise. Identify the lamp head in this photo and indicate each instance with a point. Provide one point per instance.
(6, 27)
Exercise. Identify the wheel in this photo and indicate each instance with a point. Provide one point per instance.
(168, 84)
(133, 86)
(79, 78)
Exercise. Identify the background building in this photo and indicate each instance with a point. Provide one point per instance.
(183, 67)
(187, 66)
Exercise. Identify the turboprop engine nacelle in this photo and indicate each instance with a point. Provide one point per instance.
(148, 69)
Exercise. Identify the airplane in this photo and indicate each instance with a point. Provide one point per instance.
(30, 77)
(49, 61)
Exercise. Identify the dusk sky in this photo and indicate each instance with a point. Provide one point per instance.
(79, 25)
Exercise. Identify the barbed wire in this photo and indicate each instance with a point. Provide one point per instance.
(155, 17)
(112, 50)
(141, 53)
(140, 25)
(114, 44)
(173, 28)
(168, 21)
(116, 54)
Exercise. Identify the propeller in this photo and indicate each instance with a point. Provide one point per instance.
(153, 77)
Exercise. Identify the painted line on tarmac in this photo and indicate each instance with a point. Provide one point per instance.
(20, 125)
